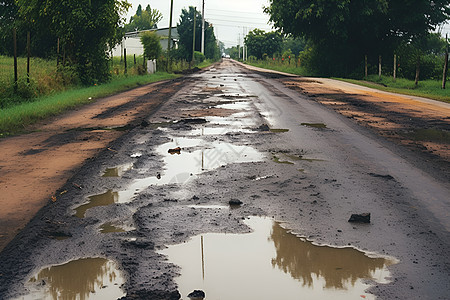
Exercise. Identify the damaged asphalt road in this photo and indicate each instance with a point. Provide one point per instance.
(241, 137)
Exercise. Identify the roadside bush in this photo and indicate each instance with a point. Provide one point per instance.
(198, 57)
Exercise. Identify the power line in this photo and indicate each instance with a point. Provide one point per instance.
(231, 21)
(245, 17)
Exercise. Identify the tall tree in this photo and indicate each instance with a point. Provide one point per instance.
(86, 29)
(144, 19)
(340, 32)
(260, 43)
(185, 31)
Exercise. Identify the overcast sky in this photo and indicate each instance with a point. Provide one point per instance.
(230, 18)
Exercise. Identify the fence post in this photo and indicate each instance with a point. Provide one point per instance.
(15, 59)
(395, 66)
(28, 57)
(125, 60)
(379, 66)
(57, 53)
(444, 75)
(365, 66)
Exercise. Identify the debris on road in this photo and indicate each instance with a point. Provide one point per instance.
(360, 218)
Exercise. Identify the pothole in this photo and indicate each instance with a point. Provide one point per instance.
(104, 199)
(272, 263)
(315, 125)
(117, 171)
(111, 227)
(86, 278)
(193, 158)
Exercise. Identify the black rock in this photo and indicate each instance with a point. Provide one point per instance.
(235, 202)
(360, 218)
(197, 294)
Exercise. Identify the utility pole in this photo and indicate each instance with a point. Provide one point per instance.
(203, 26)
(193, 34)
(169, 40)
(243, 44)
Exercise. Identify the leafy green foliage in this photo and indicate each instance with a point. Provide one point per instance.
(259, 43)
(86, 30)
(152, 46)
(198, 57)
(185, 31)
(340, 33)
(144, 20)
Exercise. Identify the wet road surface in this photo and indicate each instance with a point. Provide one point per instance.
(298, 167)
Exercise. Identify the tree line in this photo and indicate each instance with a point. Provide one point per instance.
(339, 35)
(81, 33)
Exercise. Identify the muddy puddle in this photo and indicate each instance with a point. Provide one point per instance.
(272, 263)
(112, 227)
(194, 157)
(117, 171)
(86, 278)
(104, 199)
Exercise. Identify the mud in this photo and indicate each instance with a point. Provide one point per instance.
(160, 204)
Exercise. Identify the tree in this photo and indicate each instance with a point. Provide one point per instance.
(185, 31)
(260, 43)
(152, 46)
(144, 19)
(87, 29)
(340, 33)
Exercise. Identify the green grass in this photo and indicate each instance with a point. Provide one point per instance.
(431, 89)
(279, 66)
(15, 119)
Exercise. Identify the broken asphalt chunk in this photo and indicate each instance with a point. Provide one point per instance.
(235, 202)
(176, 150)
(360, 218)
(197, 294)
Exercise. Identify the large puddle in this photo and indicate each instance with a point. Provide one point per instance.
(87, 278)
(194, 157)
(272, 263)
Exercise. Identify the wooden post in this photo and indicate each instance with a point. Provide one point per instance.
(444, 74)
(57, 53)
(15, 59)
(379, 66)
(395, 67)
(28, 57)
(134, 59)
(125, 60)
(416, 81)
(365, 66)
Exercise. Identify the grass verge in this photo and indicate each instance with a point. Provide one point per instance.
(431, 89)
(14, 120)
(281, 67)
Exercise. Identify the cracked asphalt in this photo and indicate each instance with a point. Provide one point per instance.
(242, 135)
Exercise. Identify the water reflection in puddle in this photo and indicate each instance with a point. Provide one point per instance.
(111, 227)
(271, 263)
(117, 171)
(179, 168)
(218, 130)
(87, 278)
(104, 199)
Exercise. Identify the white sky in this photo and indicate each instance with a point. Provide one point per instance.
(230, 18)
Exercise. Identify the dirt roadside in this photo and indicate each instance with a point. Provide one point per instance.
(420, 125)
(35, 165)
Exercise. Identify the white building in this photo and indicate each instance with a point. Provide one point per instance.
(132, 41)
